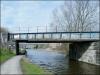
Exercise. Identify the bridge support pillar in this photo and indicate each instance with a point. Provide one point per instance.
(85, 51)
(17, 48)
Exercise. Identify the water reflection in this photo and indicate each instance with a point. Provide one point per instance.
(58, 64)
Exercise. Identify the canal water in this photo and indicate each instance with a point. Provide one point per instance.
(59, 64)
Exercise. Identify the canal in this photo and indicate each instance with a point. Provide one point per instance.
(59, 64)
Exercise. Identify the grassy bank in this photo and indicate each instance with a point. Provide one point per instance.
(5, 54)
(29, 68)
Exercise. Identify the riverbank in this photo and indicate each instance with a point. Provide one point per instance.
(30, 68)
(5, 54)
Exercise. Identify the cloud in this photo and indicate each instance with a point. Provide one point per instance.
(26, 13)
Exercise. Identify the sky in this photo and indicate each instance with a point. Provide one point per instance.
(26, 16)
(18, 16)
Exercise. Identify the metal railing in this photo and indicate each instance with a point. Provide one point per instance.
(54, 35)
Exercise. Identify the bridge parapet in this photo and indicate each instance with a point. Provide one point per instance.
(54, 36)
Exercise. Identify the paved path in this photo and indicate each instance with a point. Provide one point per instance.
(12, 66)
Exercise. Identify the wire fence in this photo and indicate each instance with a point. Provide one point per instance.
(30, 29)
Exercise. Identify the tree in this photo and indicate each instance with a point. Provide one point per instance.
(3, 29)
(3, 37)
(76, 16)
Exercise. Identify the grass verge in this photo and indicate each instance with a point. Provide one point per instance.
(29, 68)
(5, 55)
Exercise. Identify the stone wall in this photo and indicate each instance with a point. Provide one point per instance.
(87, 52)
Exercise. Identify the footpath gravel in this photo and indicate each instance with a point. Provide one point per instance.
(12, 66)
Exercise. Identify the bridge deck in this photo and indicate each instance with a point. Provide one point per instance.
(55, 37)
(58, 41)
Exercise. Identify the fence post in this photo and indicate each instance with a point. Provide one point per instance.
(80, 35)
(51, 36)
(27, 36)
(35, 36)
(90, 35)
(19, 36)
(70, 35)
(43, 36)
(60, 35)
(37, 29)
(46, 28)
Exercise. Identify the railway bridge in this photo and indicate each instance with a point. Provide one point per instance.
(84, 46)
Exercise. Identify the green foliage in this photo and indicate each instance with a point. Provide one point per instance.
(5, 54)
(29, 68)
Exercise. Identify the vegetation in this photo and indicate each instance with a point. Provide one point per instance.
(64, 47)
(43, 46)
(5, 54)
(3, 29)
(76, 16)
(29, 68)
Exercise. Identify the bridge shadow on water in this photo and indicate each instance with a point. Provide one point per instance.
(78, 67)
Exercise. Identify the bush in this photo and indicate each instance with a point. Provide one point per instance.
(5, 54)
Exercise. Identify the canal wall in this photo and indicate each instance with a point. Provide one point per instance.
(86, 52)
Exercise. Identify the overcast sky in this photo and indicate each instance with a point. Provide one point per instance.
(27, 14)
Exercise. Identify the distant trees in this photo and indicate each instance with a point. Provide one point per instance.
(76, 16)
(3, 29)
(3, 37)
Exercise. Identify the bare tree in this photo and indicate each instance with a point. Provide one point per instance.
(76, 16)
(3, 29)
(3, 37)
